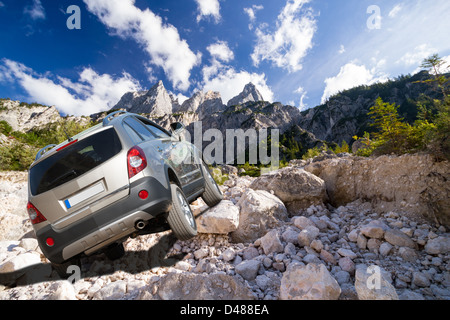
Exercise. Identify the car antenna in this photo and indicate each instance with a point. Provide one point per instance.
(67, 135)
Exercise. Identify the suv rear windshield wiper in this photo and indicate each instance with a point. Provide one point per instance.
(61, 177)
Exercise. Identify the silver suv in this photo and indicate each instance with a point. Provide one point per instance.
(124, 177)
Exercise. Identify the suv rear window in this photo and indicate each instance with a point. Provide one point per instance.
(74, 161)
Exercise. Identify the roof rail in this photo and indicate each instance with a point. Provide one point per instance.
(43, 151)
(110, 116)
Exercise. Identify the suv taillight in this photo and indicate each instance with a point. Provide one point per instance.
(35, 216)
(136, 161)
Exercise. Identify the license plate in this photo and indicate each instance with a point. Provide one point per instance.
(84, 195)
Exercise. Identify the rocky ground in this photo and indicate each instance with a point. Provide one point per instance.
(273, 237)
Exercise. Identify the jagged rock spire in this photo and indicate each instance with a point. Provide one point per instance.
(250, 93)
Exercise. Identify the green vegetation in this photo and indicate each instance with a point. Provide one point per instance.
(53, 133)
(250, 170)
(20, 154)
(218, 176)
(431, 130)
(317, 151)
(5, 128)
(314, 152)
(255, 170)
(292, 149)
(16, 157)
(343, 148)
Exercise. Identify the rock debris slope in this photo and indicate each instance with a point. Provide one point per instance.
(283, 247)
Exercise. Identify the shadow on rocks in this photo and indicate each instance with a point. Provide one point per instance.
(132, 262)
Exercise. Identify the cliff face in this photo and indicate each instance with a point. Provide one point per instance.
(416, 184)
(203, 104)
(23, 118)
(254, 115)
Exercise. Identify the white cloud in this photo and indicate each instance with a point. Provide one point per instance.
(416, 57)
(290, 42)
(221, 51)
(393, 13)
(150, 73)
(446, 67)
(351, 75)
(92, 93)
(208, 8)
(36, 11)
(303, 95)
(161, 41)
(341, 49)
(179, 96)
(404, 41)
(223, 78)
(251, 12)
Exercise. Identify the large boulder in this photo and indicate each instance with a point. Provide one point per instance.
(310, 282)
(248, 269)
(271, 243)
(375, 229)
(221, 219)
(439, 245)
(372, 283)
(398, 238)
(19, 262)
(191, 286)
(297, 188)
(260, 212)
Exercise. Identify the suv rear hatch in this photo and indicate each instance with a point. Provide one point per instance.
(79, 178)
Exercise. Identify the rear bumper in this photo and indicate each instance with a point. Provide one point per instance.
(115, 220)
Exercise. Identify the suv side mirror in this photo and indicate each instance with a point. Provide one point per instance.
(177, 129)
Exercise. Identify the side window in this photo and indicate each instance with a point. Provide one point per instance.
(134, 136)
(139, 128)
(156, 131)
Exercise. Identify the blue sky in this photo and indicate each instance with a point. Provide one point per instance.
(297, 52)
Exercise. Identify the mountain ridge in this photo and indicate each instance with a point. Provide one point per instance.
(340, 118)
(158, 102)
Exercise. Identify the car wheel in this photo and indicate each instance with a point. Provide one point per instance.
(181, 219)
(212, 194)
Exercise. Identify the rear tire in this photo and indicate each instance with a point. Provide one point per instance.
(212, 195)
(181, 219)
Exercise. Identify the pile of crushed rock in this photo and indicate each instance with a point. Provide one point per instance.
(273, 237)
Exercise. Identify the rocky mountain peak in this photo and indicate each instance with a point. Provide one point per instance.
(158, 88)
(249, 94)
(156, 101)
(203, 103)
